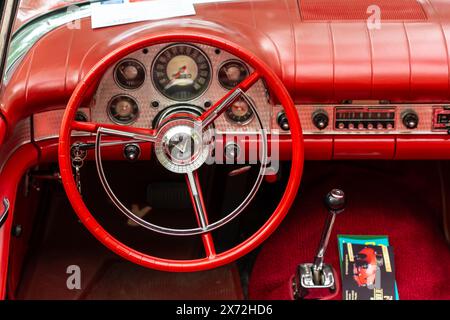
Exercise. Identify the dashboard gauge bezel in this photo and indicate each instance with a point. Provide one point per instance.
(181, 44)
(249, 101)
(118, 83)
(247, 69)
(114, 120)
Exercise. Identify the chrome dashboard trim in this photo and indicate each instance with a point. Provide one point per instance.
(46, 125)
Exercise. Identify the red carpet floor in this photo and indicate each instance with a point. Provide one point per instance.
(401, 200)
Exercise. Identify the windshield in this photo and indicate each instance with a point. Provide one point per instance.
(30, 9)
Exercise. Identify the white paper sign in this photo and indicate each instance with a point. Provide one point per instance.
(112, 13)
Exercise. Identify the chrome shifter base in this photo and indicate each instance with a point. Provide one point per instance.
(303, 282)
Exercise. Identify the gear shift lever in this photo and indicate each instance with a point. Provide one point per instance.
(318, 275)
(335, 203)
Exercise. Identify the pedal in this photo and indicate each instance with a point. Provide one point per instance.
(168, 195)
(139, 212)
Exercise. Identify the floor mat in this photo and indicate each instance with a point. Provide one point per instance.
(401, 200)
(65, 243)
(122, 280)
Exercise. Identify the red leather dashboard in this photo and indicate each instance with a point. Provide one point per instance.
(322, 57)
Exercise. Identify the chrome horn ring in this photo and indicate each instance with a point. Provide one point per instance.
(192, 231)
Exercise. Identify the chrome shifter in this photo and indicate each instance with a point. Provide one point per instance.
(318, 275)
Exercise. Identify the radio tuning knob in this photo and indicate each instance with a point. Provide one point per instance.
(320, 119)
(410, 119)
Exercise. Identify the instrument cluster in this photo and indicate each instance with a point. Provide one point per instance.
(156, 81)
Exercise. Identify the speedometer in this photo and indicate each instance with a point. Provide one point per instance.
(181, 72)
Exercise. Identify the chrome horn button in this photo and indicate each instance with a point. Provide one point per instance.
(181, 146)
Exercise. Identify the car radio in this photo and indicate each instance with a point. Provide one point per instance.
(364, 118)
(368, 118)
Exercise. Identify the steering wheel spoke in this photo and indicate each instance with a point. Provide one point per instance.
(142, 134)
(208, 117)
(198, 203)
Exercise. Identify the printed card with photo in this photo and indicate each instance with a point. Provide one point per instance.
(368, 272)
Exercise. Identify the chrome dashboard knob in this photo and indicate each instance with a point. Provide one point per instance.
(320, 119)
(283, 121)
(410, 119)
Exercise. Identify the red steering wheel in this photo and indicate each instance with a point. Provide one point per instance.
(212, 259)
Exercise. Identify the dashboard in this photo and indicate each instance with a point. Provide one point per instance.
(150, 84)
(357, 96)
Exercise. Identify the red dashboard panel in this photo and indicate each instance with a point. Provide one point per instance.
(322, 55)
(325, 10)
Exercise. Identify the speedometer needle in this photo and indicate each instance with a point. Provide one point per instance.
(176, 76)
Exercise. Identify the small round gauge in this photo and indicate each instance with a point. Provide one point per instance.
(123, 109)
(239, 112)
(129, 74)
(181, 72)
(231, 73)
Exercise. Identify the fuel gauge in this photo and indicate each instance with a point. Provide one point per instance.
(129, 74)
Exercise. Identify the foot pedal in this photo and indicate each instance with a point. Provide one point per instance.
(139, 212)
(168, 195)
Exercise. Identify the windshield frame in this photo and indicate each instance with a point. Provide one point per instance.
(8, 16)
(61, 5)
(30, 32)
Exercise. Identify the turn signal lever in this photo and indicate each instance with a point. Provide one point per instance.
(318, 275)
